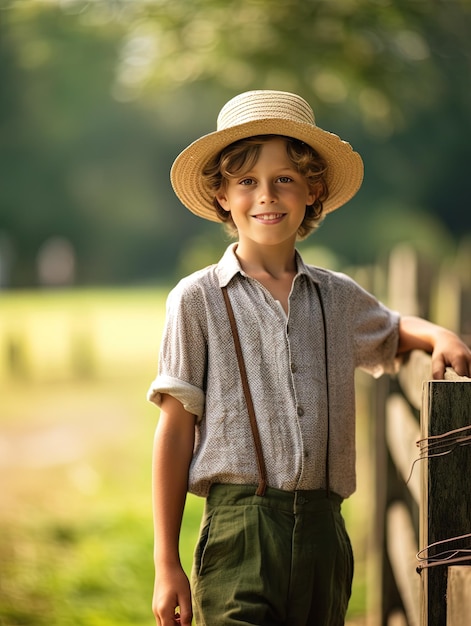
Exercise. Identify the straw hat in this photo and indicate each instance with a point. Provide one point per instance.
(264, 112)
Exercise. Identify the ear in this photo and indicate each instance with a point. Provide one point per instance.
(221, 197)
(311, 197)
(313, 193)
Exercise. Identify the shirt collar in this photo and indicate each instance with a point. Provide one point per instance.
(229, 266)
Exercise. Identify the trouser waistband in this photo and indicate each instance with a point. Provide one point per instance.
(290, 501)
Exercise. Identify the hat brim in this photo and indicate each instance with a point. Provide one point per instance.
(344, 166)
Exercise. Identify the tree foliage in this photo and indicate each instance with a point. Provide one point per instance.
(382, 58)
(98, 97)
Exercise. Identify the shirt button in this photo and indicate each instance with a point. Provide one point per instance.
(300, 411)
(306, 454)
(293, 368)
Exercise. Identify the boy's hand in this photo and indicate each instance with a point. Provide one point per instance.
(172, 598)
(446, 348)
(450, 351)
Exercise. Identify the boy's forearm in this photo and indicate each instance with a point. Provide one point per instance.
(416, 333)
(169, 494)
(173, 449)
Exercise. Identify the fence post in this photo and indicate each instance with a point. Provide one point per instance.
(445, 511)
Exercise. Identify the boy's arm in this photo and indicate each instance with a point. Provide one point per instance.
(446, 348)
(173, 449)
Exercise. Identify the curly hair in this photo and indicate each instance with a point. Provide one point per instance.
(242, 155)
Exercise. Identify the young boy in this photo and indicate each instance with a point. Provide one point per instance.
(271, 450)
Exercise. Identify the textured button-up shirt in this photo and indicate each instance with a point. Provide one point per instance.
(286, 366)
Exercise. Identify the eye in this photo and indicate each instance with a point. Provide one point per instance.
(285, 179)
(246, 181)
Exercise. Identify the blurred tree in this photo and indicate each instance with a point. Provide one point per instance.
(98, 97)
(393, 76)
(385, 59)
(74, 161)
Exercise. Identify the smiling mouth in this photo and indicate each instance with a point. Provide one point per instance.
(269, 217)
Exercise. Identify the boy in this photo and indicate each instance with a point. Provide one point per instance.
(264, 428)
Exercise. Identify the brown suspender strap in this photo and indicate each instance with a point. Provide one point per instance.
(262, 471)
(326, 356)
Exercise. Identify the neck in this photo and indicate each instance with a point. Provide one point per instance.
(275, 261)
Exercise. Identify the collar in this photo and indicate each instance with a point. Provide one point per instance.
(229, 266)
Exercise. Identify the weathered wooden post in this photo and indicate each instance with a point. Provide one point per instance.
(445, 512)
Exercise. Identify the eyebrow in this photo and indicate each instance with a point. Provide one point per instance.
(278, 171)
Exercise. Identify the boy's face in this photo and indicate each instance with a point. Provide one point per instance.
(268, 202)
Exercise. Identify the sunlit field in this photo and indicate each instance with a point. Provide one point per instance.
(75, 452)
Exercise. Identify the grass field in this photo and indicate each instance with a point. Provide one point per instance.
(75, 449)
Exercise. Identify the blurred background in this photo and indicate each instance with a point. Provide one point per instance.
(96, 100)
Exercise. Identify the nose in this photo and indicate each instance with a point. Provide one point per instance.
(267, 193)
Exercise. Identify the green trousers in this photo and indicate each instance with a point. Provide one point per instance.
(279, 559)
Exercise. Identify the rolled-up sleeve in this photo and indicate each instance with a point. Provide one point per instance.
(183, 351)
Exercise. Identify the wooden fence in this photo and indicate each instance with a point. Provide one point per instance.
(421, 435)
(425, 493)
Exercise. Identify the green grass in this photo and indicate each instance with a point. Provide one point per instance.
(76, 536)
(75, 516)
